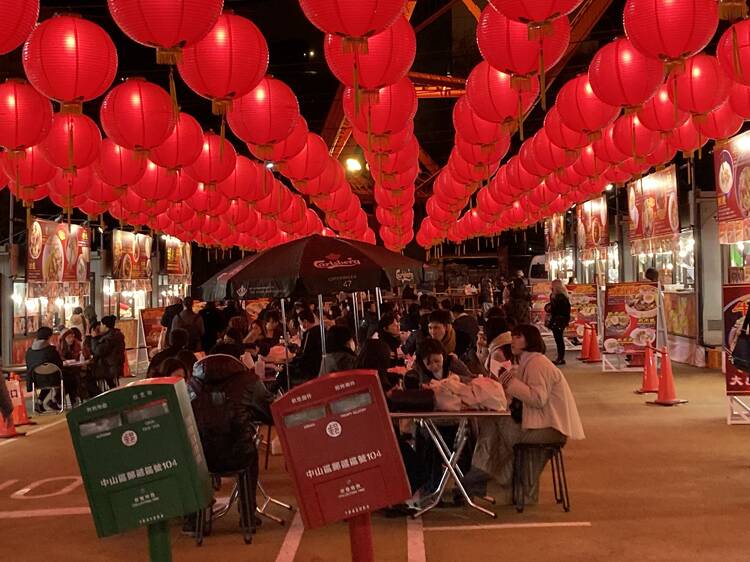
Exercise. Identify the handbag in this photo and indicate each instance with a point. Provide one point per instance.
(740, 355)
(516, 410)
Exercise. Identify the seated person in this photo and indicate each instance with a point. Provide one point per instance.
(548, 414)
(228, 400)
(376, 355)
(389, 331)
(41, 351)
(173, 367)
(440, 328)
(230, 344)
(273, 331)
(466, 327)
(71, 344)
(306, 364)
(178, 341)
(433, 363)
(340, 354)
(255, 335)
(188, 359)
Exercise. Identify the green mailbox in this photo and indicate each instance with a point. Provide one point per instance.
(140, 456)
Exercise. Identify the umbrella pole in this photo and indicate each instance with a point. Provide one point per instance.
(286, 345)
(322, 327)
(378, 298)
(356, 320)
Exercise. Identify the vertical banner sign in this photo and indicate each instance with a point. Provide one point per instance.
(654, 215)
(178, 257)
(151, 325)
(540, 295)
(58, 258)
(736, 303)
(583, 309)
(732, 169)
(554, 230)
(593, 229)
(630, 313)
(131, 255)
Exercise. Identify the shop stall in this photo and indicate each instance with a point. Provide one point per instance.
(56, 281)
(176, 270)
(732, 167)
(560, 261)
(592, 240)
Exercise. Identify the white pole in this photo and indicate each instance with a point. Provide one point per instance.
(322, 326)
(286, 345)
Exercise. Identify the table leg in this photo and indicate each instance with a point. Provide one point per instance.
(434, 498)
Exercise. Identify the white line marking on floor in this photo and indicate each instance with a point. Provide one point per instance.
(291, 541)
(54, 512)
(31, 432)
(415, 540)
(8, 484)
(461, 528)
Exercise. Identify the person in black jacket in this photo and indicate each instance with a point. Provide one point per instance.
(178, 341)
(169, 313)
(109, 352)
(559, 311)
(231, 344)
(213, 324)
(41, 351)
(306, 365)
(389, 331)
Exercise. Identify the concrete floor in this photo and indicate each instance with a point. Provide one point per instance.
(648, 483)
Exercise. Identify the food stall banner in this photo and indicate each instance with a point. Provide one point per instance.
(131, 255)
(732, 169)
(593, 229)
(151, 326)
(736, 301)
(679, 314)
(654, 214)
(540, 295)
(583, 308)
(554, 230)
(630, 313)
(177, 259)
(57, 259)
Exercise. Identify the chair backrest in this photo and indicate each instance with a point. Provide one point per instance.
(47, 375)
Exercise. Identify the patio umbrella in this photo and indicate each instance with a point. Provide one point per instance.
(314, 265)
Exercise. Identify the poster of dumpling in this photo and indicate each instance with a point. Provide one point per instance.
(131, 255)
(593, 229)
(732, 169)
(654, 214)
(57, 253)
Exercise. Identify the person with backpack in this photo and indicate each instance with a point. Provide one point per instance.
(190, 322)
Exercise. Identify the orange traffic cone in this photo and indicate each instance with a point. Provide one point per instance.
(8, 428)
(20, 416)
(594, 355)
(667, 395)
(586, 343)
(126, 369)
(650, 382)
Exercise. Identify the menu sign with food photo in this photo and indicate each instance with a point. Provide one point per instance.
(653, 210)
(151, 326)
(736, 300)
(555, 233)
(630, 314)
(131, 255)
(583, 308)
(540, 296)
(57, 253)
(593, 229)
(177, 257)
(732, 169)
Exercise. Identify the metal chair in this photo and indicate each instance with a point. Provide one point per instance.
(520, 467)
(242, 492)
(48, 376)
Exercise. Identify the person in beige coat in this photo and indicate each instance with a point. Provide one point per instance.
(548, 415)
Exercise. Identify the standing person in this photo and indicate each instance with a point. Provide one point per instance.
(109, 352)
(178, 341)
(559, 311)
(78, 320)
(42, 351)
(170, 312)
(651, 275)
(518, 305)
(213, 324)
(89, 315)
(467, 329)
(486, 294)
(191, 323)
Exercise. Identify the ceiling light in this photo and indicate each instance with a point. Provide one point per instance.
(353, 165)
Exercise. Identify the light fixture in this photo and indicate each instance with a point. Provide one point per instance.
(311, 53)
(269, 165)
(609, 187)
(353, 165)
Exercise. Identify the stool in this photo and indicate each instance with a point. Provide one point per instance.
(246, 499)
(559, 482)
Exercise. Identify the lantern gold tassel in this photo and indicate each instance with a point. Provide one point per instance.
(168, 56)
(736, 62)
(71, 169)
(222, 136)
(732, 10)
(173, 94)
(520, 118)
(542, 78)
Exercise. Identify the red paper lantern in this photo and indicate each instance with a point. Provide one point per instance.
(500, 183)
(208, 202)
(670, 31)
(215, 162)
(337, 201)
(101, 192)
(739, 98)
(621, 75)
(275, 202)
(25, 115)
(92, 208)
(239, 212)
(167, 25)
(388, 112)
(634, 166)
(19, 18)
(265, 115)
(398, 180)
(438, 215)
(542, 196)
(310, 162)
(70, 59)
(72, 189)
(182, 147)
(615, 174)
(397, 201)
(733, 52)
(529, 161)
(30, 169)
(660, 114)
(570, 176)
(388, 58)
(720, 123)
(703, 85)
(560, 134)
(27, 194)
(352, 19)
(663, 153)
(581, 110)
(137, 114)
(227, 63)
(535, 11)
(468, 173)
(507, 46)
(396, 162)
(605, 147)
(67, 201)
(482, 155)
(588, 165)
(72, 143)
(556, 185)
(488, 204)
(632, 138)
(550, 156)
(331, 179)
(237, 184)
(156, 184)
(472, 128)
(518, 177)
(180, 212)
(491, 95)
(185, 188)
(285, 148)
(390, 142)
(119, 167)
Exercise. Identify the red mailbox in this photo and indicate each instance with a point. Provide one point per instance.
(340, 447)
